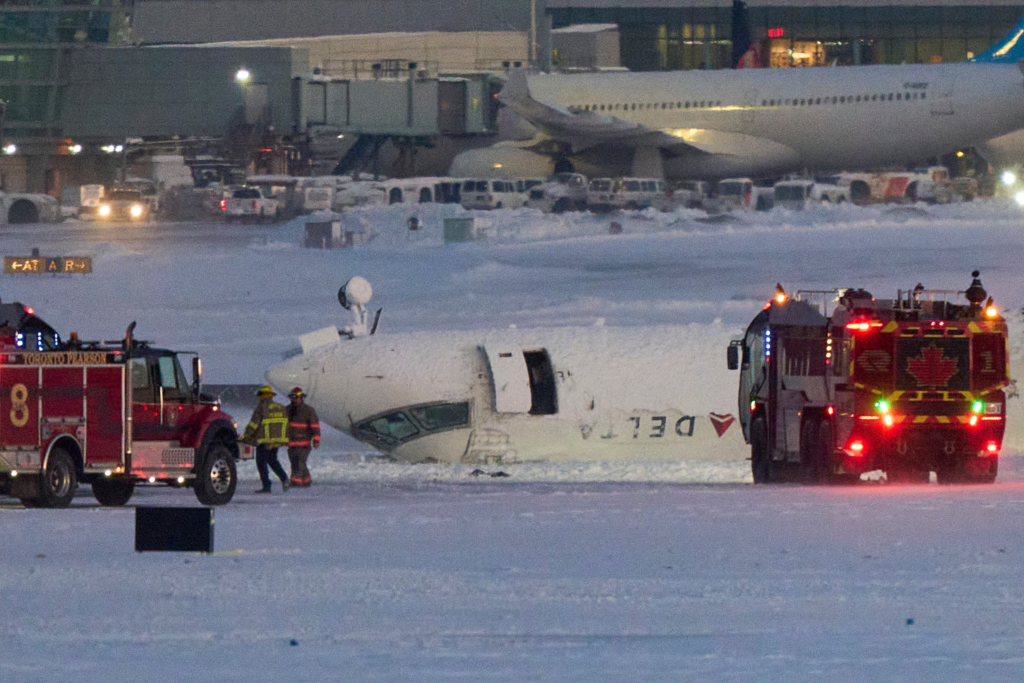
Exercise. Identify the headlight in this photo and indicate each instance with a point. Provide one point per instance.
(1009, 177)
(136, 210)
(104, 210)
(1019, 198)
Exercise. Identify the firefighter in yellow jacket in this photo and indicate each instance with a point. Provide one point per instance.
(303, 434)
(268, 430)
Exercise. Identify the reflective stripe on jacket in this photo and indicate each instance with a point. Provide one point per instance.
(268, 425)
(303, 426)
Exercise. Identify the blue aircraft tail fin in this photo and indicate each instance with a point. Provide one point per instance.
(1006, 51)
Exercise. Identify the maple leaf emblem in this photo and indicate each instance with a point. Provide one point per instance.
(932, 368)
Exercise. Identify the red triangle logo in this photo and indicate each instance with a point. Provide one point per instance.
(721, 423)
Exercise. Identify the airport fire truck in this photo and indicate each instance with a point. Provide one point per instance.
(110, 414)
(908, 386)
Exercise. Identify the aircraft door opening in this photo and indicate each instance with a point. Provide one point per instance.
(941, 96)
(543, 395)
(523, 381)
(749, 109)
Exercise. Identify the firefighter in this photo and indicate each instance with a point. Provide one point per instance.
(303, 433)
(267, 429)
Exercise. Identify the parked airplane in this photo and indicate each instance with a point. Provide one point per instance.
(751, 122)
(1006, 150)
(510, 395)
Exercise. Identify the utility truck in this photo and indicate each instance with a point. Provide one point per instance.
(909, 386)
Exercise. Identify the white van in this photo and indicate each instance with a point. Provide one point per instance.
(491, 194)
(736, 194)
(797, 195)
(640, 193)
(359, 193)
(410, 190)
(562, 192)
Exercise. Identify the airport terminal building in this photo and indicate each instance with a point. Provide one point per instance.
(76, 76)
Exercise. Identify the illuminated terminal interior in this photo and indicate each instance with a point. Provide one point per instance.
(789, 35)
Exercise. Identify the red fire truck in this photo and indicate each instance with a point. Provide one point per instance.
(910, 385)
(110, 414)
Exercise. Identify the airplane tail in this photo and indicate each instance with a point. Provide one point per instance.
(1009, 50)
(517, 86)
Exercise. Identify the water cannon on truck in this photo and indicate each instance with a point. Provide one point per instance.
(910, 385)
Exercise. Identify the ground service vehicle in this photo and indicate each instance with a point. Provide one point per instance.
(250, 202)
(123, 204)
(797, 195)
(110, 414)
(909, 385)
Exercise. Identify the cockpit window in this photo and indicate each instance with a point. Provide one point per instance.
(391, 428)
(441, 415)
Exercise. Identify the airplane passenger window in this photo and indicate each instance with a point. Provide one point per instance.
(441, 415)
(923, 95)
(679, 105)
(818, 101)
(664, 105)
(718, 103)
(687, 105)
(842, 100)
(764, 103)
(389, 428)
(899, 96)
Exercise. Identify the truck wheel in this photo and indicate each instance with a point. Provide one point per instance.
(810, 471)
(759, 465)
(826, 449)
(59, 481)
(111, 492)
(216, 477)
(561, 206)
(955, 472)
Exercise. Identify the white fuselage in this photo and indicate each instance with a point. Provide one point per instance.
(566, 393)
(840, 118)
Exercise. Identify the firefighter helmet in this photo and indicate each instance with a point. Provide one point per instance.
(297, 392)
(265, 390)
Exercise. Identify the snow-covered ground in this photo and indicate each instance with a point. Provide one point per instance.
(579, 571)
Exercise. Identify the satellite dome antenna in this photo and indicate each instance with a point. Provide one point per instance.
(353, 296)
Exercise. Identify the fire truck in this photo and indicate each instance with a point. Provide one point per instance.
(908, 386)
(110, 414)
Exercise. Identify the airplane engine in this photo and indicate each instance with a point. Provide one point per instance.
(503, 160)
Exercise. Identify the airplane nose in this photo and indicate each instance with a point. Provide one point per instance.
(293, 373)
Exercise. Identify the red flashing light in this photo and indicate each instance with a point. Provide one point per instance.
(974, 420)
(830, 410)
(992, 447)
(858, 448)
(223, 205)
(30, 310)
(991, 418)
(870, 417)
(888, 420)
(863, 325)
(776, 32)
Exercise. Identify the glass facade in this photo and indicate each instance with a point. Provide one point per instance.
(701, 37)
(35, 37)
